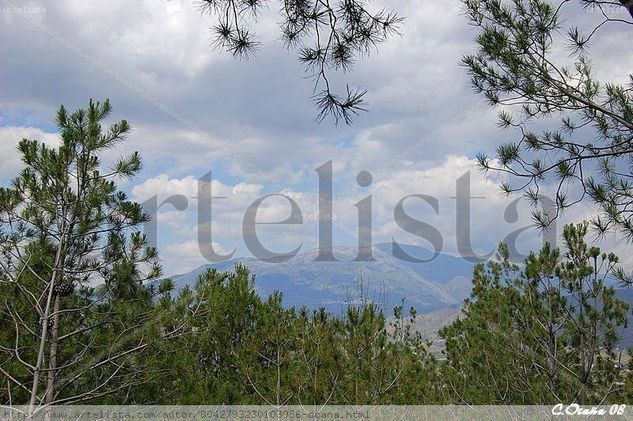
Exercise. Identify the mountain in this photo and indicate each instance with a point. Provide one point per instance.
(436, 288)
(442, 282)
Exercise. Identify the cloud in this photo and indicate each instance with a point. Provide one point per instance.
(9, 139)
(493, 217)
(186, 256)
(164, 187)
(252, 124)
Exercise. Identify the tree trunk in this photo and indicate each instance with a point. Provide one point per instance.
(52, 359)
(42, 346)
(59, 258)
(551, 369)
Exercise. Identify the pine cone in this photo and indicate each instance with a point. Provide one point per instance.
(64, 290)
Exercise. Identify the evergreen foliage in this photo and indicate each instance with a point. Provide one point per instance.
(543, 333)
(521, 67)
(328, 36)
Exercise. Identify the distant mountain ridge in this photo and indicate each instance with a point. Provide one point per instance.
(436, 289)
(442, 282)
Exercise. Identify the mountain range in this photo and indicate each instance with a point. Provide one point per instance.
(436, 289)
(437, 284)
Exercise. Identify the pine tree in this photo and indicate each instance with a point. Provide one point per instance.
(586, 150)
(540, 334)
(74, 262)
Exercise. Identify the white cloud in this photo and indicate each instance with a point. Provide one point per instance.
(9, 139)
(185, 256)
(163, 186)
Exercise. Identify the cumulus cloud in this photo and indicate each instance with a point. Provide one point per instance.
(162, 186)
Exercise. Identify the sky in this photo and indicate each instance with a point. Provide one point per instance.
(252, 126)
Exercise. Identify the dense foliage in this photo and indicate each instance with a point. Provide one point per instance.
(541, 334)
(248, 350)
